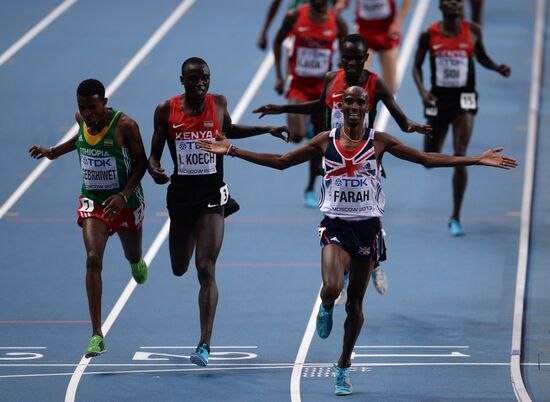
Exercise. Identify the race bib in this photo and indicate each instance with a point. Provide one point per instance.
(86, 205)
(224, 196)
(192, 160)
(374, 9)
(468, 101)
(352, 194)
(312, 62)
(451, 72)
(99, 173)
(431, 111)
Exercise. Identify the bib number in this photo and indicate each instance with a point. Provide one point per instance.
(312, 62)
(193, 161)
(468, 101)
(224, 195)
(373, 9)
(451, 72)
(86, 205)
(431, 111)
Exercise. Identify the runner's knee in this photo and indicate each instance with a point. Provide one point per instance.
(205, 271)
(93, 262)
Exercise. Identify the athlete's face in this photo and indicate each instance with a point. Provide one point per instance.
(355, 104)
(92, 109)
(353, 57)
(196, 79)
(318, 4)
(452, 7)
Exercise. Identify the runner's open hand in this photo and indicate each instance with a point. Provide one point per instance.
(268, 109)
(220, 147)
(413, 126)
(428, 99)
(112, 206)
(277, 131)
(158, 175)
(492, 158)
(39, 152)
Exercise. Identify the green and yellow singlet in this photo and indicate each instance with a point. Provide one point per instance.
(105, 165)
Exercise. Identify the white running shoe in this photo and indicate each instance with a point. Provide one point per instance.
(379, 279)
(343, 296)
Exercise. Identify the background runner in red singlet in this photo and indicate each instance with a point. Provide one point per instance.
(313, 29)
(452, 44)
(379, 22)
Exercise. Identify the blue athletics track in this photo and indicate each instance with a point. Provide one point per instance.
(464, 319)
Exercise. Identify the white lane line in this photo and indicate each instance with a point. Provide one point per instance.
(266, 367)
(113, 315)
(161, 237)
(526, 204)
(47, 20)
(402, 62)
(113, 86)
(194, 347)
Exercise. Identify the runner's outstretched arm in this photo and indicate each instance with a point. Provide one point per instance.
(39, 152)
(313, 148)
(482, 56)
(384, 142)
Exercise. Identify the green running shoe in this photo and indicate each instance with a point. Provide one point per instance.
(96, 348)
(139, 272)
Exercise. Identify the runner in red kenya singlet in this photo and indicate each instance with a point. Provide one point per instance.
(452, 44)
(197, 195)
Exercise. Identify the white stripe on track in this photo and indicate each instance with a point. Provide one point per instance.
(526, 204)
(113, 86)
(163, 234)
(402, 62)
(47, 20)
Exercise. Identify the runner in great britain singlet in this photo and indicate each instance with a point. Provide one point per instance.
(351, 187)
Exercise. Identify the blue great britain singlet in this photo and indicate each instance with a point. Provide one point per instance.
(351, 187)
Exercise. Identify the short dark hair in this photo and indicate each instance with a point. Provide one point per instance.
(91, 87)
(357, 39)
(192, 60)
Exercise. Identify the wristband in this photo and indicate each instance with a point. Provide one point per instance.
(123, 197)
(52, 152)
(231, 151)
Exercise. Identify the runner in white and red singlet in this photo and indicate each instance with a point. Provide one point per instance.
(197, 195)
(452, 45)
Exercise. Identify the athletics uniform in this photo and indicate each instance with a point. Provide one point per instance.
(333, 100)
(452, 73)
(197, 185)
(352, 199)
(106, 167)
(373, 19)
(311, 55)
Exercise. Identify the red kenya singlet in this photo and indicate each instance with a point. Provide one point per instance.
(451, 59)
(200, 170)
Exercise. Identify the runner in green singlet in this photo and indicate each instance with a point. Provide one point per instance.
(112, 161)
